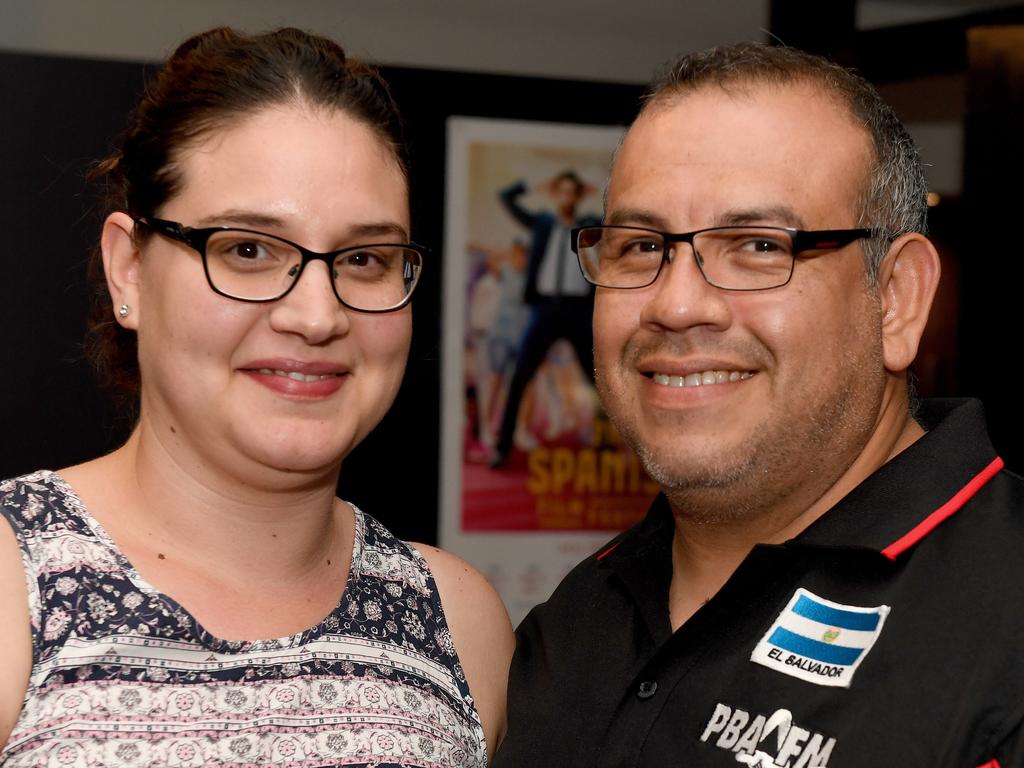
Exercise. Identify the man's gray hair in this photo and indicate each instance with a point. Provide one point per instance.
(895, 198)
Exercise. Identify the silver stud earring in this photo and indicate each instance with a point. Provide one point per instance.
(124, 310)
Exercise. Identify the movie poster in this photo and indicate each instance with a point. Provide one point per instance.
(534, 478)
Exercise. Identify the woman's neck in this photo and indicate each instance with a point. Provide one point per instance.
(158, 503)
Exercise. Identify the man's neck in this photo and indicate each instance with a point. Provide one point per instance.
(706, 554)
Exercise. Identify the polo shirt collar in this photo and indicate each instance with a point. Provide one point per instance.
(918, 489)
(887, 513)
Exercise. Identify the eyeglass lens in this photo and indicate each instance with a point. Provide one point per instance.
(252, 266)
(738, 258)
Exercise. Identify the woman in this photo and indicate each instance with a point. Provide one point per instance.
(149, 573)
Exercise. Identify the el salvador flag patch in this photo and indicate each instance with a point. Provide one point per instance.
(820, 641)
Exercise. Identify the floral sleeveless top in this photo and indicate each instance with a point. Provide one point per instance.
(123, 676)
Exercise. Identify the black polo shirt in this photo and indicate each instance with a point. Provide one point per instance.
(889, 633)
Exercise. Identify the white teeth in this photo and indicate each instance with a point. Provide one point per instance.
(294, 375)
(700, 379)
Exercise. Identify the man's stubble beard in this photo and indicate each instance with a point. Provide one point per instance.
(802, 452)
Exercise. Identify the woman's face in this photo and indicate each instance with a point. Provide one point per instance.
(292, 384)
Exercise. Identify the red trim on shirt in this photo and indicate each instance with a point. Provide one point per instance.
(929, 524)
(991, 764)
(613, 547)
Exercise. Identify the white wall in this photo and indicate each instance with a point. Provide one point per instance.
(605, 40)
(609, 40)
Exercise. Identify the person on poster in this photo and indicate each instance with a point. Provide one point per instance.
(830, 574)
(560, 299)
(497, 317)
(200, 596)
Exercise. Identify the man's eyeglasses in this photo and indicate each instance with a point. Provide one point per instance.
(252, 266)
(750, 258)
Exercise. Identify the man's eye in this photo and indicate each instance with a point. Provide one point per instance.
(640, 247)
(762, 245)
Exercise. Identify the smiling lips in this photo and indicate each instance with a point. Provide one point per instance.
(298, 379)
(701, 379)
(298, 375)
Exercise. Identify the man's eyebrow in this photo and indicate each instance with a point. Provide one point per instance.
(639, 218)
(773, 215)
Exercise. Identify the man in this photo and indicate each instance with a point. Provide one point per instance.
(558, 295)
(829, 577)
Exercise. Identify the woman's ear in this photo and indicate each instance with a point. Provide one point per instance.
(121, 262)
(907, 280)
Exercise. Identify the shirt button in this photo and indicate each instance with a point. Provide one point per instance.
(646, 689)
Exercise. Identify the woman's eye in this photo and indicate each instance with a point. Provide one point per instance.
(367, 263)
(360, 259)
(247, 250)
(239, 250)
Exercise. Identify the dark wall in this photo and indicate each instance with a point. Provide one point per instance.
(59, 115)
(993, 268)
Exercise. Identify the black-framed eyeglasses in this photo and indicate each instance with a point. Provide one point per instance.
(253, 266)
(748, 258)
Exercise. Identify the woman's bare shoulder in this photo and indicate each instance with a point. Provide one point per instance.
(464, 590)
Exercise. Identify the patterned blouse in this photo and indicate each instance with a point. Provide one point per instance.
(124, 676)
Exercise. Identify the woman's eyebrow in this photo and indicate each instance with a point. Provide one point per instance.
(378, 229)
(257, 220)
(242, 216)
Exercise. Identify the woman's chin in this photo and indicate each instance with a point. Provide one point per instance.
(295, 454)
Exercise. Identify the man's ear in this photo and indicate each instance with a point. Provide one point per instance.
(907, 280)
(121, 265)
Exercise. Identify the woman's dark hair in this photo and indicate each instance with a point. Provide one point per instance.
(212, 79)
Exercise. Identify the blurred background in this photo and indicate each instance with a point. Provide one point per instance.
(70, 71)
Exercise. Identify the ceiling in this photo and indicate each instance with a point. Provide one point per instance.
(576, 39)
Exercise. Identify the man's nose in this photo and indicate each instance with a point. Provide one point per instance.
(681, 297)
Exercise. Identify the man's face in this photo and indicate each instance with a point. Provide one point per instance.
(797, 371)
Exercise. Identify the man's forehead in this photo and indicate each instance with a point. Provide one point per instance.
(749, 88)
(798, 99)
(767, 143)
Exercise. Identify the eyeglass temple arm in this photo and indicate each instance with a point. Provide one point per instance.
(823, 239)
(169, 228)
